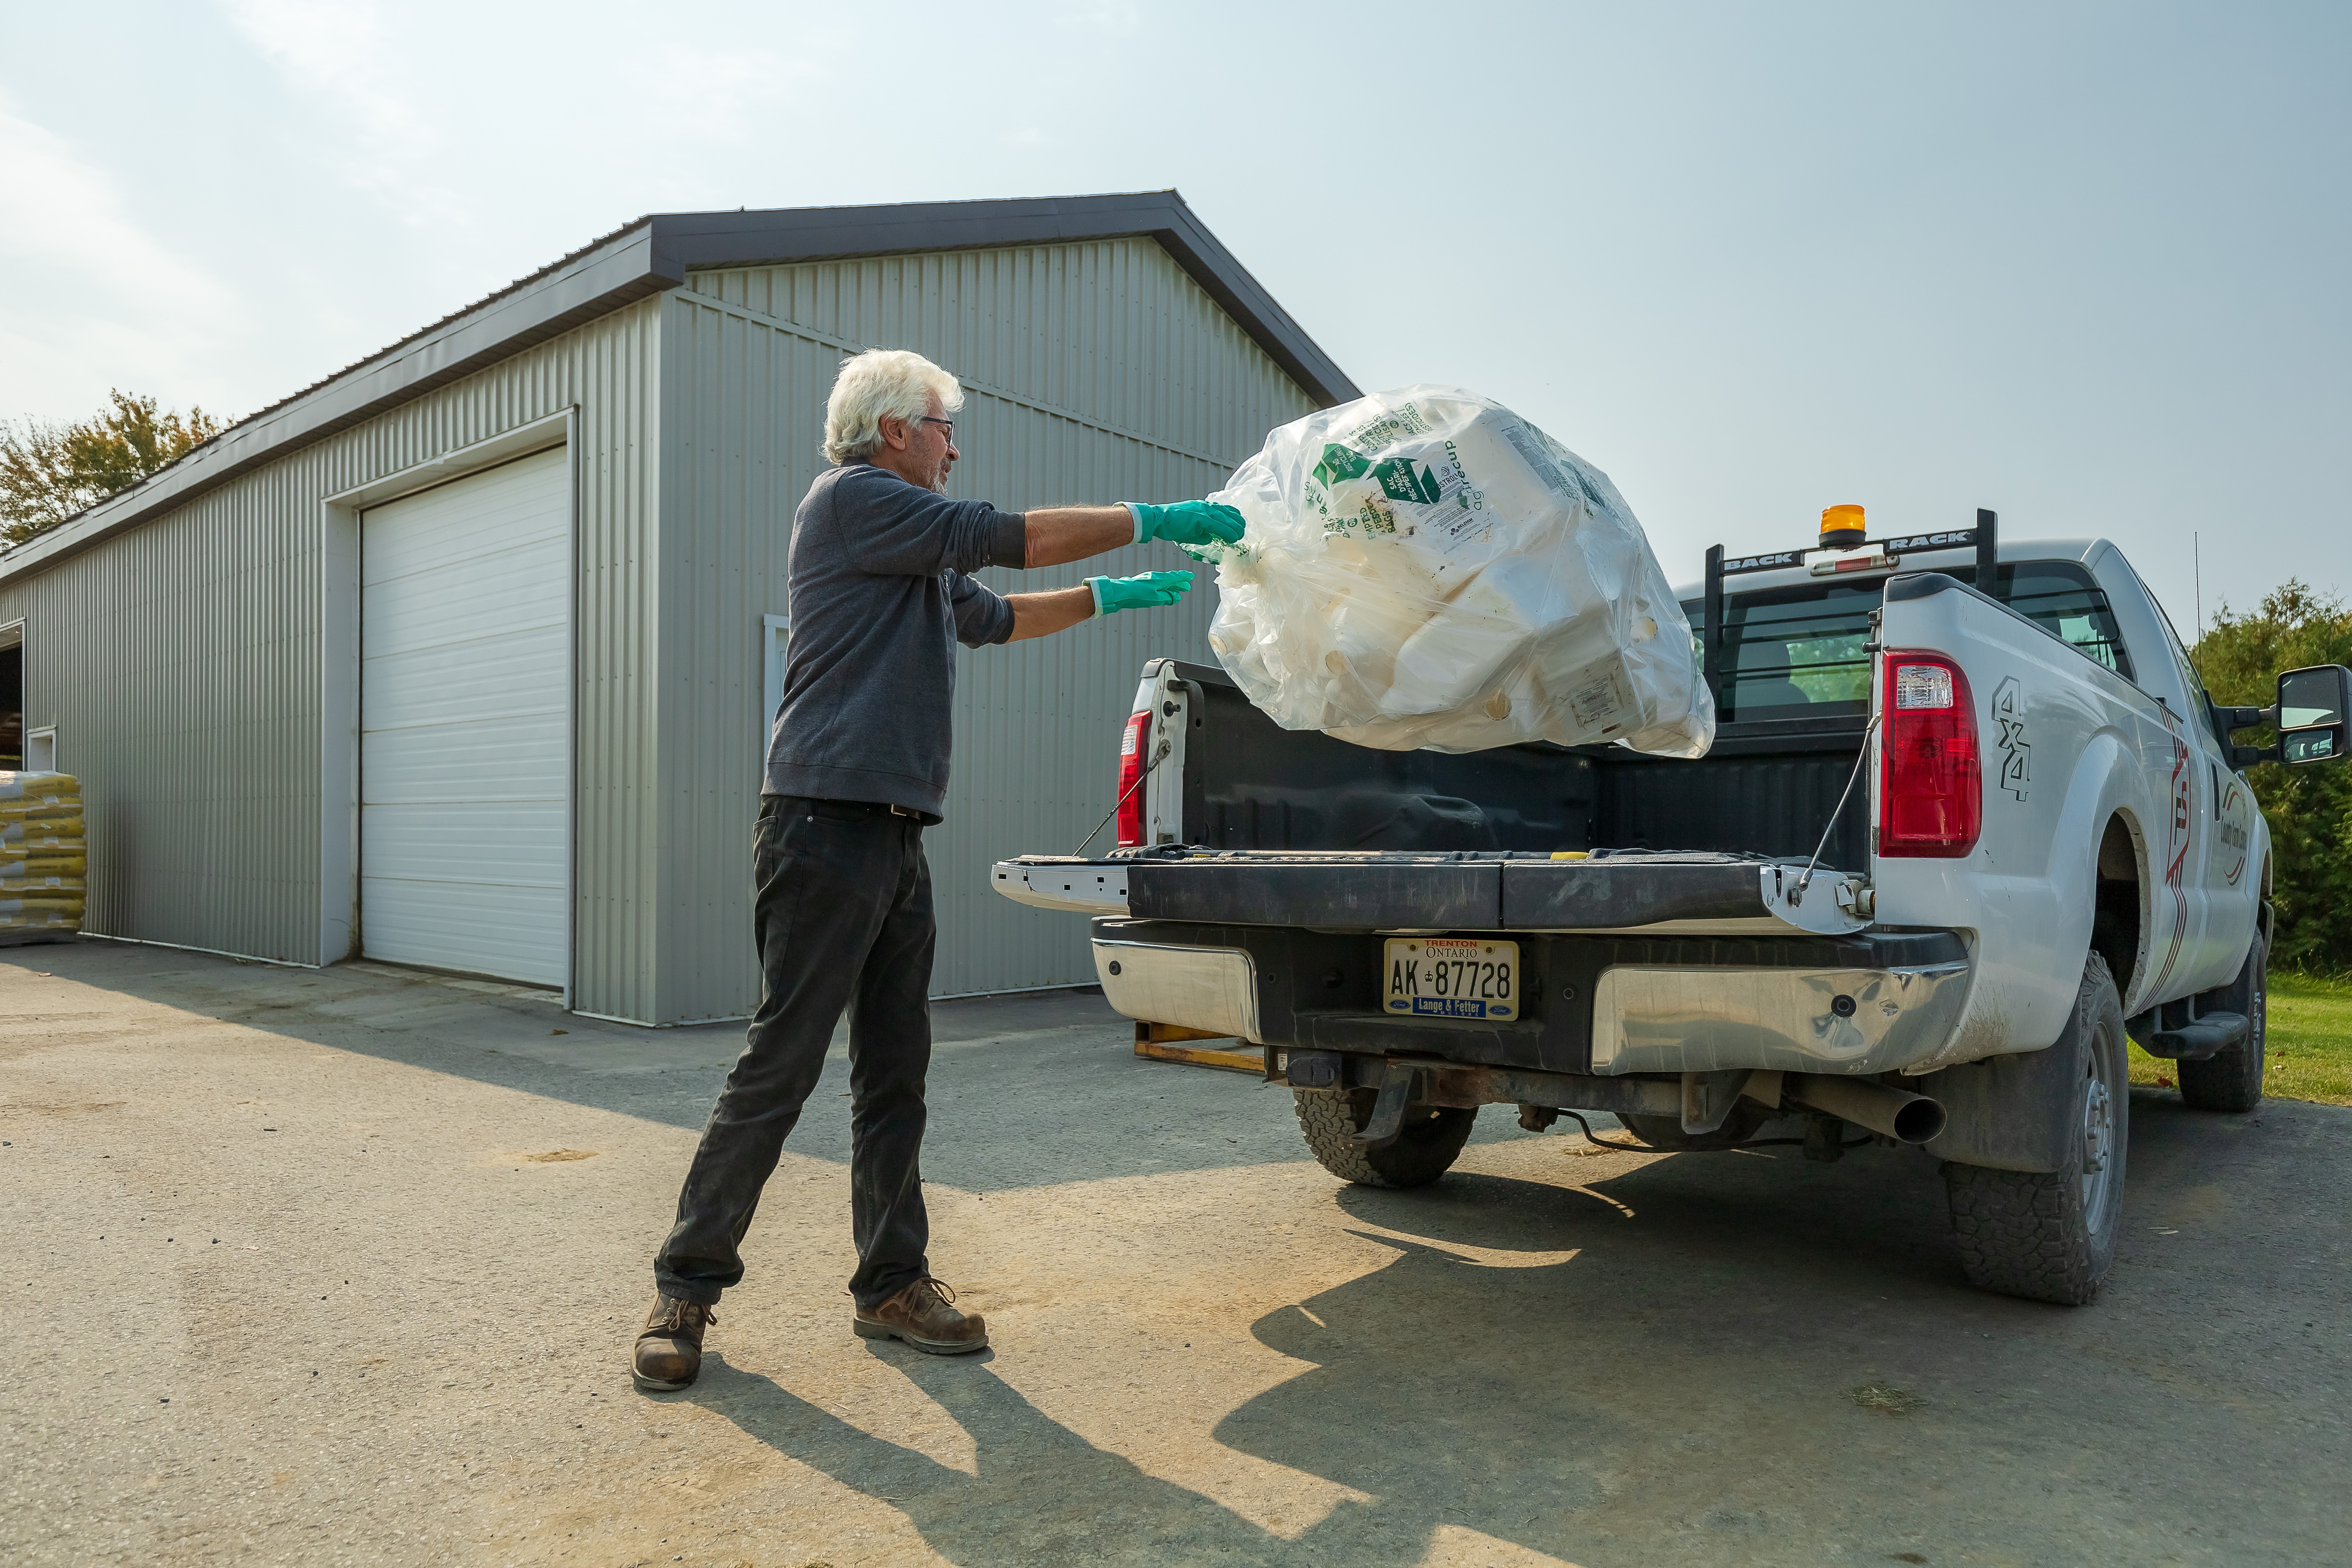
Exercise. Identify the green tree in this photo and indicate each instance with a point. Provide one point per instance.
(49, 472)
(2309, 808)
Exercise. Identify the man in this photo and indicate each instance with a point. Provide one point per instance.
(879, 594)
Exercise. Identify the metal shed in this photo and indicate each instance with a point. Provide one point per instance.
(463, 657)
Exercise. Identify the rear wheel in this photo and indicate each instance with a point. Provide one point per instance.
(2233, 1079)
(1432, 1137)
(2051, 1235)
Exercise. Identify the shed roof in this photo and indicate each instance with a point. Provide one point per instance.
(655, 253)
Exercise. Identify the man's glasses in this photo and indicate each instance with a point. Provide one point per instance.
(934, 419)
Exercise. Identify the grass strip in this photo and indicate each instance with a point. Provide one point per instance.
(2309, 1056)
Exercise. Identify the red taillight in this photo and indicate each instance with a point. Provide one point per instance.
(1931, 790)
(1130, 769)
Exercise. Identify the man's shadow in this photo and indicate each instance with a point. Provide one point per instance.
(1435, 1432)
(1041, 1494)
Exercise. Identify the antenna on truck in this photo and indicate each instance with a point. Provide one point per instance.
(1710, 631)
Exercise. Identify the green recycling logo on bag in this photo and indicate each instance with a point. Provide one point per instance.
(1340, 463)
(1399, 479)
(1404, 480)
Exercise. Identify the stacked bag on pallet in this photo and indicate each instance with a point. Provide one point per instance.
(1423, 569)
(43, 858)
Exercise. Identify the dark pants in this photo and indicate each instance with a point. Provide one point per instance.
(843, 920)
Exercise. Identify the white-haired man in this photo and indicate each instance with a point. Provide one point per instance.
(879, 594)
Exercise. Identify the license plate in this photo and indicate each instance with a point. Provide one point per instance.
(1453, 977)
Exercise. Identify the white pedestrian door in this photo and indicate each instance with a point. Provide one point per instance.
(465, 747)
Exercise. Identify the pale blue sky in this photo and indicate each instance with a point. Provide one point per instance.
(2087, 264)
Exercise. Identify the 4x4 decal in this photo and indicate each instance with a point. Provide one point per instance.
(2016, 751)
(2183, 828)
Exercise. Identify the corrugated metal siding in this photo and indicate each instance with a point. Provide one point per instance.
(1095, 372)
(180, 662)
(616, 469)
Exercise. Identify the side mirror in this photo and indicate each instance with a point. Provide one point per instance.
(2315, 714)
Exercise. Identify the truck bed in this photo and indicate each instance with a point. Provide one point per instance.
(1766, 789)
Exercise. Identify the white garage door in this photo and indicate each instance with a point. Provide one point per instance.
(465, 687)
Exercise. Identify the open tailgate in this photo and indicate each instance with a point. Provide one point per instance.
(1464, 890)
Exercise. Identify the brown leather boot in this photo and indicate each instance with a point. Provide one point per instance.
(669, 1353)
(920, 1315)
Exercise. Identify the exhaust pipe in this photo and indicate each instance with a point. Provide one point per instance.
(1893, 1112)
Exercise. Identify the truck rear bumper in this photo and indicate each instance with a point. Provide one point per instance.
(1651, 1019)
(1855, 1004)
(1210, 988)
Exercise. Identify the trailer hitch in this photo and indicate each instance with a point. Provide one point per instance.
(1399, 1084)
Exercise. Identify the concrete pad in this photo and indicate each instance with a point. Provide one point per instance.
(315, 1267)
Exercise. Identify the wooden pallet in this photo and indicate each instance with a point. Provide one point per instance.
(1173, 1043)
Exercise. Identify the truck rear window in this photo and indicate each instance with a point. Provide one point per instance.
(1797, 652)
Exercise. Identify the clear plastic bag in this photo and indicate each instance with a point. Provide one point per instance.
(1424, 570)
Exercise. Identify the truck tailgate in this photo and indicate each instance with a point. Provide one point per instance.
(1468, 891)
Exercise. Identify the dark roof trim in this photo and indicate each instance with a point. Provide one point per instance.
(698, 241)
(582, 287)
(655, 253)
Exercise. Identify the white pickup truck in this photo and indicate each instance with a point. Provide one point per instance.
(1970, 821)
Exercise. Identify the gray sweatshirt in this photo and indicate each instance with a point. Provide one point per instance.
(877, 598)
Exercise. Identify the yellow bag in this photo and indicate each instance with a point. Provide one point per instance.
(18, 785)
(27, 829)
(41, 802)
(47, 809)
(39, 887)
(35, 867)
(40, 848)
(20, 792)
(42, 909)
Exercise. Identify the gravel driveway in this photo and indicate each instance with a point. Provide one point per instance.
(343, 1265)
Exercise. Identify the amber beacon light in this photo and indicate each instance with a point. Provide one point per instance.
(1841, 527)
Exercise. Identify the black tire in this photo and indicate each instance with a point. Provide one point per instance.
(2052, 1236)
(2233, 1079)
(1431, 1138)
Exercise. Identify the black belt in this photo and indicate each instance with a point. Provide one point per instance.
(865, 807)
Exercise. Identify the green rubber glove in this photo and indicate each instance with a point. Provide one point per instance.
(1186, 522)
(1153, 588)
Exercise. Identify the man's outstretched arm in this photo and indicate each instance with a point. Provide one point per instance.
(1041, 615)
(1058, 534)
